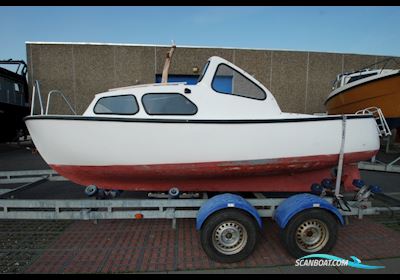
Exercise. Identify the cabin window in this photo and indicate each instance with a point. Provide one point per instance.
(118, 105)
(228, 81)
(359, 77)
(168, 104)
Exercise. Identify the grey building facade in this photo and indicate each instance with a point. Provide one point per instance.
(299, 80)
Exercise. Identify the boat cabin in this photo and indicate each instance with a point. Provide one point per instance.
(347, 78)
(223, 91)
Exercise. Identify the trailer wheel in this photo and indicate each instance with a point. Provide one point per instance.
(229, 235)
(310, 231)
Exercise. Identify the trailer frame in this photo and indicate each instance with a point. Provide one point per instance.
(143, 208)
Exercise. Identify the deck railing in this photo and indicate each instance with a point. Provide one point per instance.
(36, 91)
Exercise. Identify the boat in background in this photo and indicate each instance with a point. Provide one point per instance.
(14, 101)
(225, 134)
(367, 88)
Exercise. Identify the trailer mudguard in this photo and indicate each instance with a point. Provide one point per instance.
(223, 201)
(297, 203)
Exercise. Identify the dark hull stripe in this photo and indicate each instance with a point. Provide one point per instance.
(85, 118)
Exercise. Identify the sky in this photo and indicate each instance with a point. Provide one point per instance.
(361, 30)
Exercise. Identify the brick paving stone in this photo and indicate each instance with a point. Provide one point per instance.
(126, 246)
(22, 241)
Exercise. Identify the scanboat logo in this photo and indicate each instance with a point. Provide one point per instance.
(330, 260)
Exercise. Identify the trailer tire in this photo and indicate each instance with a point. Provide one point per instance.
(310, 231)
(229, 235)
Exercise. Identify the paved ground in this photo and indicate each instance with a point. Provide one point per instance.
(14, 157)
(23, 241)
(126, 246)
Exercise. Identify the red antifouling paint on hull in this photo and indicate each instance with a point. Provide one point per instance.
(278, 175)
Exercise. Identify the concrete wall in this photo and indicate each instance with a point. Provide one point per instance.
(300, 81)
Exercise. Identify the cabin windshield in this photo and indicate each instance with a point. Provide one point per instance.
(203, 72)
(229, 81)
(359, 77)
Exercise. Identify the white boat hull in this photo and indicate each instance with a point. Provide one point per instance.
(216, 155)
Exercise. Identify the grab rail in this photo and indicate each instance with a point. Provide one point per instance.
(36, 91)
(62, 95)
